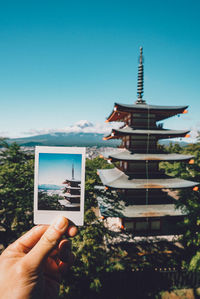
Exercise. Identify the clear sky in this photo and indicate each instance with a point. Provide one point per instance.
(64, 61)
(56, 168)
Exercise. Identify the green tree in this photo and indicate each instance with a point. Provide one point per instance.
(189, 201)
(47, 202)
(16, 191)
(92, 179)
(16, 201)
(93, 257)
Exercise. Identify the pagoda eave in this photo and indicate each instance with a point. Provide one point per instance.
(71, 181)
(64, 202)
(116, 116)
(126, 155)
(139, 211)
(71, 195)
(159, 134)
(116, 179)
(161, 112)
(72, 188)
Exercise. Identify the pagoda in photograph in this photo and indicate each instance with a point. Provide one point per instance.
(72, 193)
(146, 208)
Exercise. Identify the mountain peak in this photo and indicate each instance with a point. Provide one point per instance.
(82, 124)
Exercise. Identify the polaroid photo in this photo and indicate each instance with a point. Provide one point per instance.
(59, 184)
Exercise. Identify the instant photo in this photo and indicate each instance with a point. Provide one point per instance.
(59, 184)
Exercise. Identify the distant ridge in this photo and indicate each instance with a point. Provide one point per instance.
(75, 139)
(49, 187)
(82, 133)
(66, 139)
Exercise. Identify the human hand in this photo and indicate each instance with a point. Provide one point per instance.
(31, 267)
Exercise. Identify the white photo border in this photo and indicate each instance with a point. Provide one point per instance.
(44, 216)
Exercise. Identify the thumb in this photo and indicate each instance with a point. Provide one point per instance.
(47, 242)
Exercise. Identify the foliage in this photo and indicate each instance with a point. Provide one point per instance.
(16, 192)
(96, 255)
(195, 262)
(173, 148)
(47, 202)
(93, 257)
(189, 200)
(16, 200)
(92, 179)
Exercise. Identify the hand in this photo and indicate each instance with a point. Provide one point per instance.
(31, 267)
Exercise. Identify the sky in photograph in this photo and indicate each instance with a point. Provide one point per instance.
(56, 168)
(62, 62)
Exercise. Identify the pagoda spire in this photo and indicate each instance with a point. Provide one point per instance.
(73, 170)
(140, 80)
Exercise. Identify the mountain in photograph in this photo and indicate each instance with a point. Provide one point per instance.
(49, 187)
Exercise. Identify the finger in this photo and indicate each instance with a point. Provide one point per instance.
(64, 250)
(63, 267)
(26, 242)
(51, 270)
(47, 242)
(51, 266)
(54, 252)
(72, 231)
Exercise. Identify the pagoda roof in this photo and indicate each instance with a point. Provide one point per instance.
(161, 134)
(126, 155)
(64, 202)
(72, 188)
(71, 181)
(116, 179)
(161, 112)
(71, 195)
(138, 211)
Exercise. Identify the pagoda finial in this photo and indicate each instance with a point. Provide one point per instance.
(140, 80)
(73, 170)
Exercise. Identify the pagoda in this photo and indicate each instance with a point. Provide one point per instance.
(142, 188)
(71, 193)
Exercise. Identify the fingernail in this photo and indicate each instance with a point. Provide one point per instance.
(60, 223)
(72, 231)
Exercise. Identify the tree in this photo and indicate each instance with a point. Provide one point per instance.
(16, 191)
(16, 201)
(49, 202)
(96, 255)
(93, 257)
(92, 179)
(189, 202)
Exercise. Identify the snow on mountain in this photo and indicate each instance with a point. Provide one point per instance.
(82, 126)
(85, 126)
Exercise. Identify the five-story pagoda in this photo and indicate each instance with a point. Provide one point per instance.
(71, 193)
(146, 207)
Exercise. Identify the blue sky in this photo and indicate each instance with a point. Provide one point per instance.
(65, 61)
(56, 168)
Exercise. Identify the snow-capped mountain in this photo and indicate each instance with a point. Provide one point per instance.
(82, 133)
